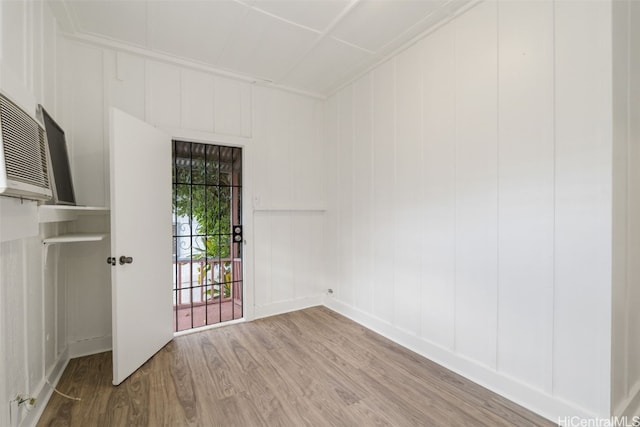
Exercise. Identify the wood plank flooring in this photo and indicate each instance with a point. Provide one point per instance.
(311, 367)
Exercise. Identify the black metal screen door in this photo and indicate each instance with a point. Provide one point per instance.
(207, 234)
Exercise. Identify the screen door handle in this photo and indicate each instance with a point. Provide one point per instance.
(237, 233)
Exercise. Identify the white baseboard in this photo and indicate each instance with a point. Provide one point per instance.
(287, 306)
(45, 391)
(533, 399)
(90, 346)
(630, 407)
(633, 410)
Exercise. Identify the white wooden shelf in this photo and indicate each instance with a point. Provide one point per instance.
(58, 213)
(75, 237)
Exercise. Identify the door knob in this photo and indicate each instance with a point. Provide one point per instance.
(111, 260)
(125, 260)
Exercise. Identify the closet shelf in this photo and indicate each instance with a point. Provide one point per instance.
(58, 213)
(75, 237)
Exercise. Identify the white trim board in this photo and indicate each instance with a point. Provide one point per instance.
(287, 306)
(90, 346)
(170, 59)
(630, 407)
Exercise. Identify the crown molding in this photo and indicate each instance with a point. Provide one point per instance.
(118, 46)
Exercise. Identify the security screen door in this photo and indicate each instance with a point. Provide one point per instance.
(207, 234)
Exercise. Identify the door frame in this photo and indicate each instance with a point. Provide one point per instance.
(248, 289)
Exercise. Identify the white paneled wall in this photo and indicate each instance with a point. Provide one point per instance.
(232, 107)
(621, 202)
(331, 231)
(14, 332)
(362, 197)
(198, 100)
(288, 195)
(32, 334)
(17, 39)
(476, 212)
(383, 188)
(88, 278)
(473, 198)
(633, 300)
(48, 52)
(345, 243)
(175, 98)
(526, 192)
(582, 233)
(437, 184)
(625, 361)
(407, 204)
(88, 127)
(126, 88)
(163, 94)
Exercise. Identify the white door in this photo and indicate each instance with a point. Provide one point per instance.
(140, 229)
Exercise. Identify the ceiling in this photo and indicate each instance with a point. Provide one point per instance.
(314, 46)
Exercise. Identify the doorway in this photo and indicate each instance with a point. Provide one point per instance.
(207, 234)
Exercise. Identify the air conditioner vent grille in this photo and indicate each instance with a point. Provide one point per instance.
(24, 144)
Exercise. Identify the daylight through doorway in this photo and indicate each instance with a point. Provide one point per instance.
(207, 234)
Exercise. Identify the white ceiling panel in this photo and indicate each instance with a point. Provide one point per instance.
(326, 66)
(315, 14)
(265, 47)
(193, 29)
(374, 23)
(309, 45)
(124, 21)
(429, 21)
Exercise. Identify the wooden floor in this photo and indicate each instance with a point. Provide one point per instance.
(307, 368)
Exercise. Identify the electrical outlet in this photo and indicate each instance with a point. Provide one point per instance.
(28, 401)
(31, 403)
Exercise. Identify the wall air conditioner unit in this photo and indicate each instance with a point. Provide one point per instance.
(24, 166)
